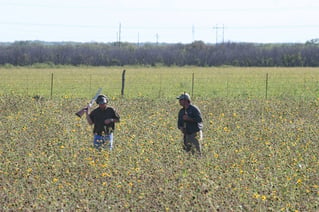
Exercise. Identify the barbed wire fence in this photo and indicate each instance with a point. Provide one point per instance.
(126, 85)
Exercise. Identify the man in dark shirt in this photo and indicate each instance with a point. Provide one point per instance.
(104, 118)
(190, 123)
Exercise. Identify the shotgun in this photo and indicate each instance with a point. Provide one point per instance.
(82, 111)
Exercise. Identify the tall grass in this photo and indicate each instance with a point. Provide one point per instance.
(258, 155)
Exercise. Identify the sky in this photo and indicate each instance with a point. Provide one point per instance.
(163, 21)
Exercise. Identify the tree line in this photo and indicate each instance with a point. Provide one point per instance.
(26, 53)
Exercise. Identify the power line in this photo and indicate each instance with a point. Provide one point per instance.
(223, 31)
(160, 27)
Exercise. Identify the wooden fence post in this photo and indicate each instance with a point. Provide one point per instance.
(193, 84)
(51, 85)
(266, 86)
(123, 82)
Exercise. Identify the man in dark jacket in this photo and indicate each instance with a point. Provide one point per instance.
(190, 123)
(104, 118)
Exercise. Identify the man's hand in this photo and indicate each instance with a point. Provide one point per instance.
(108, 121)
(87, 109)
(187, 118)
(182, 129)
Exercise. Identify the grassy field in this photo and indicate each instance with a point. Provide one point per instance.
(162, 82)
(258, 154)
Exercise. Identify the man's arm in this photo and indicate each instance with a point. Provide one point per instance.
(88, 118)
(115, 117)
(196, 116)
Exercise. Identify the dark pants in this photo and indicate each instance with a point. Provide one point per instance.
(193, 141)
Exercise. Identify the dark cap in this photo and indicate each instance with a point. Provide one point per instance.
(184, 96)
(101, 99)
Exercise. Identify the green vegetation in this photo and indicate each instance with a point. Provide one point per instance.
(162, 82)
(259, 155)
(197, 53)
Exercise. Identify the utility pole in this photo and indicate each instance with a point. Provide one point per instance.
(217, 28)
(216, 33)
(120, 35)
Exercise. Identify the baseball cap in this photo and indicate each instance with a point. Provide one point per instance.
(184, 96)
(101, 99)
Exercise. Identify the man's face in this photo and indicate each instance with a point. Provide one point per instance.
(182, 102)
(102, 106)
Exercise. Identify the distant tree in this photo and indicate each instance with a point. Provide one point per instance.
(197, 53)
(313, 41)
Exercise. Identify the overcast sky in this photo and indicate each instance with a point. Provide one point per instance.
(170, 21)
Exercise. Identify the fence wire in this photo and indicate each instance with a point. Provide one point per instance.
(163, 85)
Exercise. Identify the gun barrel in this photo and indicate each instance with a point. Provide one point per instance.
(82, 111)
